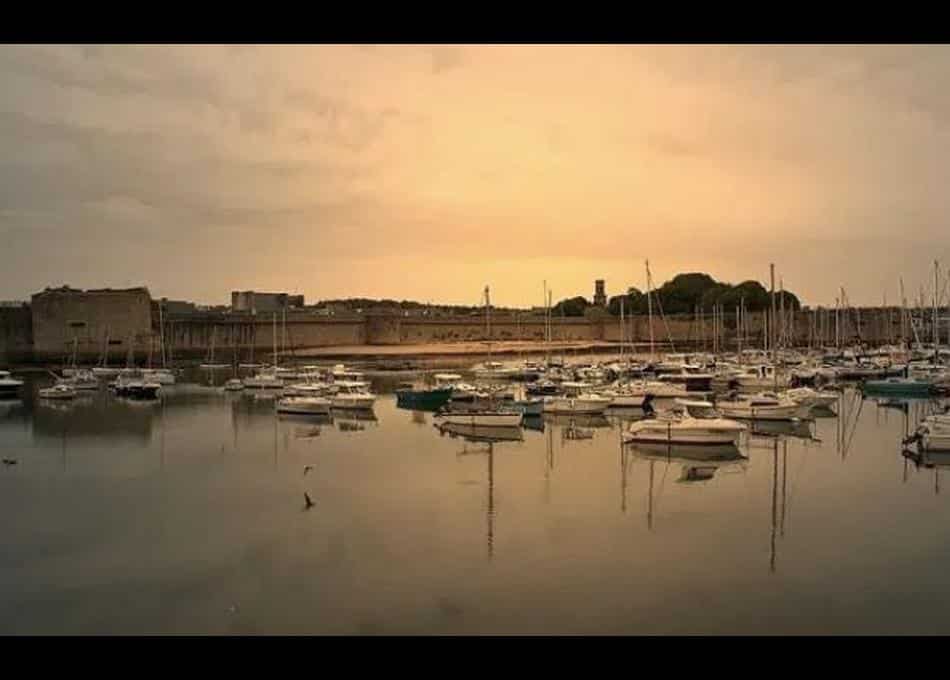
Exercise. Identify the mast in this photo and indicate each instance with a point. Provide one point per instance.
(544, 303)
(739, 329)
(488, 322)
(650, 310)
(622, 328)
(161, 332)
(936, 285)
(276, 362)
(837, 322)
(772, 325)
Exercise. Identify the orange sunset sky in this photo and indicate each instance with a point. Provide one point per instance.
(426, 172)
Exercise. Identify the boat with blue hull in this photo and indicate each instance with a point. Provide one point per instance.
(901, 386)
(422, 399)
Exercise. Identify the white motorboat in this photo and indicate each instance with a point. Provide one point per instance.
(682, 429)
(656, 388)
(760, 407)
(8, 384)
(341, 372)
(162, 376)
(811, 398)
(762, 376)
(622, 398)
(303, 405)
(491, 370)
(234, 385)
(352, 394)
(58, 391)
(586, 403)
(482, 418)
(697, 408)
(306, 389)
(263, 381)
(105, 371)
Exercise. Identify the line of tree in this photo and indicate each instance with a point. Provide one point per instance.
(685, 292)
(682, 294)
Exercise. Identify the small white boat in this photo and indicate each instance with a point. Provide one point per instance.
(485, 418)
(759, 407)
(8, 384)
(681, 429)
(162, 376)
(656, 388)
(341, 372)
(622, 398)
(352, 394)
(234, 385)
(811, 398)
(58, 391)
(105, 371)
(762, 376)
(587, 403)
(263, 381)
(307, 389)
(303, 405)
(493, 370)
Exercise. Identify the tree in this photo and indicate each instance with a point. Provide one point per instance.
(574, 306)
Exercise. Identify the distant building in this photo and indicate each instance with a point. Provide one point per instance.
(259, 303)
(178, 307)
(600, 296)
(89, 319)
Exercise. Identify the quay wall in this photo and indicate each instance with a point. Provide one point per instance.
(61, 320)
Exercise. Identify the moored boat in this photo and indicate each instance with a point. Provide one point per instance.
(58, 391)
(9, 385)
(303, 405)
(481, 418)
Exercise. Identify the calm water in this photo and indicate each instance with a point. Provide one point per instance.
(187, 516)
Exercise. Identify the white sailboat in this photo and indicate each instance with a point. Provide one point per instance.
(210, 364)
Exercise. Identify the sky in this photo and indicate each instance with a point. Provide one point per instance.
(427, 172)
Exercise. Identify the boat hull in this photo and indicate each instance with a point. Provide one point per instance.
(423, 399)
(904, 388)
(670, 434)
(304, 406)
(352, 401)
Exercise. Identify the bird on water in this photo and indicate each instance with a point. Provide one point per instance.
(309, 503)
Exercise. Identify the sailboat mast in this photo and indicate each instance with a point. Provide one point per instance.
(161, 332)
(276, 360)
(650, 310)
(936, 285)
(772, 324)
(622, 328)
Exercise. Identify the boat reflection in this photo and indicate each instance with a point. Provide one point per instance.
(698, 463)
(313, 420)
(801, 429)
(481, 433)
(355, 415)
(576, 420)
(535, 423)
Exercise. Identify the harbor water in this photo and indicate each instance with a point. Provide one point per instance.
(186, 515)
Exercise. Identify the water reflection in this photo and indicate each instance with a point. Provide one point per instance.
(209, 486)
